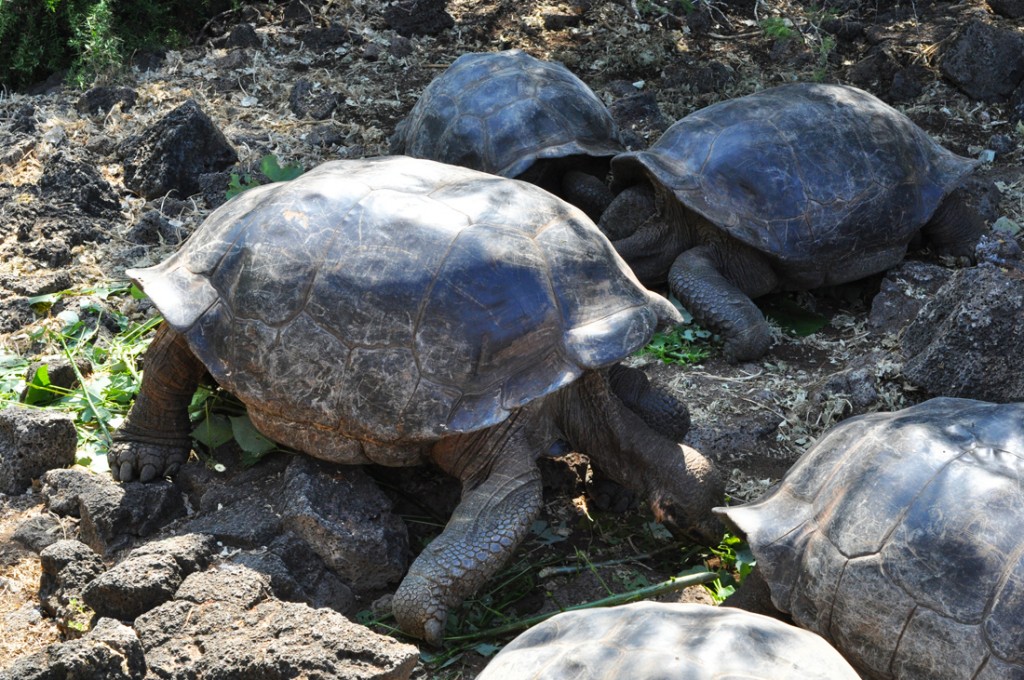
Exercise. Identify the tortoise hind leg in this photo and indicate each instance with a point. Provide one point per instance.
(955, 227)
(500, 499)
(155, 438)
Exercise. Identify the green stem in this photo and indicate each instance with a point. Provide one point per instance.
(672, 584)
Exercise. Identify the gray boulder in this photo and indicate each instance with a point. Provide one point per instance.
(986, 62)
(148, 577)
(224, 623)
(113, 515)
(68, 567)
(33, 441)
(110, 651)
(903, 292)
(968, 340)
(174, 152)
(344, 516)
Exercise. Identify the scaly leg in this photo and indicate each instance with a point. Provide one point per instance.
(500, 499)
(155, 439)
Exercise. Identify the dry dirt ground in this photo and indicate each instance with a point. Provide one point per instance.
(754, 418)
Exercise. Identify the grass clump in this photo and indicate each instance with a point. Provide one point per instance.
(91, 335)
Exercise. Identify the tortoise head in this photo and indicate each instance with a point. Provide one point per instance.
(683, 495)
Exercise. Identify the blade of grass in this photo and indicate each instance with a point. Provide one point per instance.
(673, 584)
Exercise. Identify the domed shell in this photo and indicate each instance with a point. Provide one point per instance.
(897, 536)
(499, 112)
(808, 174)
(666, 641)
(397, 300)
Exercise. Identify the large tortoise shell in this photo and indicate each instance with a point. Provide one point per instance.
(809, 174)
(500, 112)
(397, 300)
(666, 641)
(897, 536)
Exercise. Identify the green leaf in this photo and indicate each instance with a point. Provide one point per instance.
(272, 169)
(38, 390)
(249, 438)
(213, 431)
(486, 649)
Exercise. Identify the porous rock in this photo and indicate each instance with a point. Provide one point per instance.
(904, 290)
(100, 100)
(298, 574)
(226, 622)
(986, 62)
(113, 515)
(68, 566)
(39, 532)
(418, 17)
(80, 185)
(148, 577)
(347, 519)
(174, 152)
(32, 442)
(967, 340)
(1012, 9)
(110, 651)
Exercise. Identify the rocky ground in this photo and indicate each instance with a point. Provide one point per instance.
(81, 199)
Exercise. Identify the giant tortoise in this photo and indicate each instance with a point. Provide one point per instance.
(666, 641)
(511, 114)
(397, 311)
(791, 188)
(898, 537)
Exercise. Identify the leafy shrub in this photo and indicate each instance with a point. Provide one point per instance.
(91, 37)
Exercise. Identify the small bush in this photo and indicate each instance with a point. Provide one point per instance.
(90, 38)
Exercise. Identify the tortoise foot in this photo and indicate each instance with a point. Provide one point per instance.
(419, 609)
(749, 344)
(145, 461)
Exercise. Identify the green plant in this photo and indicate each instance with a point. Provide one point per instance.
(681, 345)
(100, 400)
(90, 38)
(218, 418)
(776, 28)
(271, 168)
(732, 562)
(824, 50)
(97, 47)
(79, 616)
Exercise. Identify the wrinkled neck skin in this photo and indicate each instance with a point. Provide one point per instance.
(692, 229)
(680, 484)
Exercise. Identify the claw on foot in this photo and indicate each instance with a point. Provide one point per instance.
(131, 460)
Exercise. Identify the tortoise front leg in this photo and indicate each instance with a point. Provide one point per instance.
(499, 503)
(155, 438)
(723, 303)
(587, 192)
(657, 404)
